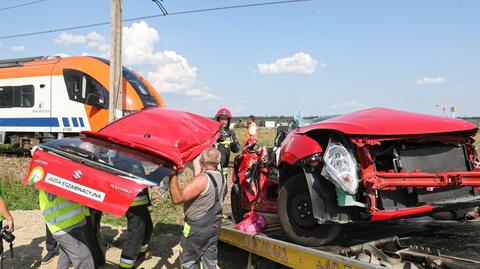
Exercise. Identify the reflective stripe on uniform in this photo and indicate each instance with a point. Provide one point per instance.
(186, 230)
(140, 200)
(61, 213)
(65, 216)
(126, 263)
(59, 206)
(143, 248)
(141, 197)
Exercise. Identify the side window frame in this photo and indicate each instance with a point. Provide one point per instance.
(76, 83)
(2, 93)
(19, 95)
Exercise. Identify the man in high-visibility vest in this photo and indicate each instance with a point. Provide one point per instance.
(139, 220)
(66, 221)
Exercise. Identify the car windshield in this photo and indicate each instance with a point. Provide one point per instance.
(112, 158)
(300, 121)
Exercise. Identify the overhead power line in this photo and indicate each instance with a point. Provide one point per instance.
(22, 5)
(150, 17)
(160, 6)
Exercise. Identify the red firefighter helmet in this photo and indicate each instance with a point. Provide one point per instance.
(223, 112)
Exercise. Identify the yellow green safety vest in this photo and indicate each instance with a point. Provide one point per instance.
(142, 198)
(61, 213)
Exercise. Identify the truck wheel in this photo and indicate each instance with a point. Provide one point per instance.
(236, 202)
(296, 215)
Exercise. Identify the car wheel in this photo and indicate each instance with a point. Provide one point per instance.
(236, 202)
(296, 215)
(458, 214)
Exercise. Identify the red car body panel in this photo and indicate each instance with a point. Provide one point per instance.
(176, 136)
(94, 188)
(298, 146)
(383, 121)
(371, 127)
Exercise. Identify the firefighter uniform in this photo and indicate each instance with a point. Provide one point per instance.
(66, 221)
(200, 236)
(139, 230)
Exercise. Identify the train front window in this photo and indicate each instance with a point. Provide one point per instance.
(136, 83)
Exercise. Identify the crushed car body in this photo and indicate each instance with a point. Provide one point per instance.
(372, 165)
(105, 170)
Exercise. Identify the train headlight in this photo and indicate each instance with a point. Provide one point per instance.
(340, 166)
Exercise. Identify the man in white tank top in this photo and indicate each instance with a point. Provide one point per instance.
(203, 201)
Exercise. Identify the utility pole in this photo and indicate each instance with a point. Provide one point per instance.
(115, 106)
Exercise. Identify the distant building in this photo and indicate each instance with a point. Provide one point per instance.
(269, 124)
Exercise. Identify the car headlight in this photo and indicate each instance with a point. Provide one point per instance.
(340, 166)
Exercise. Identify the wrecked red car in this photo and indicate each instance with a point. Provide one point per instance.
(106, 170)
(372, 165)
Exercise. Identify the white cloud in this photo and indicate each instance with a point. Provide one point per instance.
(298, 63)
(17, 48)
(346, 104)
(167, 70)
(97, 41)
(69, 39)
(431, 80)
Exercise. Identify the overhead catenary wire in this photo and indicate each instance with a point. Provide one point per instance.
(22, 5)
(160, 6)
(151, 17)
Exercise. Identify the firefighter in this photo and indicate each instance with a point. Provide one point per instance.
(203, 201)
(228, 140)
(67, 222)
(139, 220)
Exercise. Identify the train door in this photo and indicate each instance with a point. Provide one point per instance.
(85, 102)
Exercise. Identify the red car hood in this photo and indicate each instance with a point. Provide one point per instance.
(384, 121)
(175, 135)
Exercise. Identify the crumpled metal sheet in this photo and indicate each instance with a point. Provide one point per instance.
(172, 134)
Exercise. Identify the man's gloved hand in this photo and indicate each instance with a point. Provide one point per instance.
(235, 147)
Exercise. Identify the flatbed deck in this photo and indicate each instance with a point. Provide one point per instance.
(418, 241)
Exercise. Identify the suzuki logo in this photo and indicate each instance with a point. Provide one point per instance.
(77, 174)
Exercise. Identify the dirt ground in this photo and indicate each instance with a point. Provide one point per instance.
(29, 246)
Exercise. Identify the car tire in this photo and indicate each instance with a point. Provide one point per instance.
(296, 215)
(236, 202)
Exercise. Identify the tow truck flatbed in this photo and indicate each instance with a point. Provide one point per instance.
(408, 243)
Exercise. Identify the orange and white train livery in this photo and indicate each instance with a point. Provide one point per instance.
(45, 98)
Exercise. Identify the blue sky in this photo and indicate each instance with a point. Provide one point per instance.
(319, 57)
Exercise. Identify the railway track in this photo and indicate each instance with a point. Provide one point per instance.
(14, 153)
